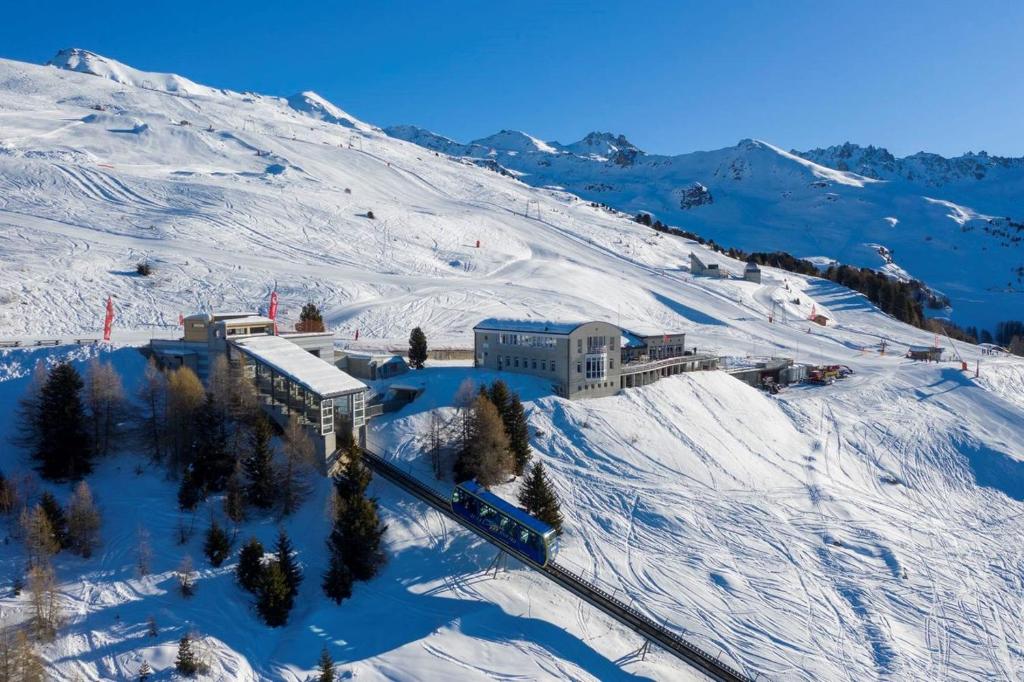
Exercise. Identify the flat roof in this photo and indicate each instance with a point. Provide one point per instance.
(544, 326)
(247, 319)
(300, 366)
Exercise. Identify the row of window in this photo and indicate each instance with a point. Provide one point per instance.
(596, 344)
(595, 366)
(530, 340)
(527, 363)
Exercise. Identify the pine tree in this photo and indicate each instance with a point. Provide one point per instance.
(190, 491)
(354, 476)
(326, 667)
(417, 348)
(357, 537)
(250, 565)
(537, 496)
(518, 431)
(58, 521)
(261, 490)
(234, 496)
(285, 553)
(501, 397)
(145, 672)
(217, 546)
(83, 521)
(273, 601)
(310, 319)
(213, 463)
(64, 447)
(186, 663)
(337, 581)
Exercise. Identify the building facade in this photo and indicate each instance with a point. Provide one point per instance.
(582, 359)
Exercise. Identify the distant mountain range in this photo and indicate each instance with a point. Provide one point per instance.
(955, 223)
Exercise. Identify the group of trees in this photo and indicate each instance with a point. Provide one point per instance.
(354, 544)
(217, 440)
(273, 579)
(494, 441)
(65, 421)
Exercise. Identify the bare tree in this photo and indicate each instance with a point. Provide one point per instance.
(185, 396)
(219, 383)
(463, 401)
(153, 396)
(143, 552)
(105, 401)
(186, 577)
(40, 541)
(293, 477)
(45, 607)
(83, 521)
(19, 660)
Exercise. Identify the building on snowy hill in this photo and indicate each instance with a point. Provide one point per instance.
(752, 273)
(583, 359)
(926, 353)
(293, 373)
(698, 268)
(372, 366)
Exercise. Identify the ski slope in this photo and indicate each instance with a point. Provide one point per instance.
(866, 530)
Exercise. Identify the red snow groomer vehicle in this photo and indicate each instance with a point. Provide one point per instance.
(822, 376)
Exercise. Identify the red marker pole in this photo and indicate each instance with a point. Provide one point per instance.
(108, 321)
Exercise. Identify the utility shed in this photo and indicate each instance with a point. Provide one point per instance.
(293, 382)
(752, 273)
(926, 353)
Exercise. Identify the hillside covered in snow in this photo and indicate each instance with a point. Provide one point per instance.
(865, 530)
(956, 224)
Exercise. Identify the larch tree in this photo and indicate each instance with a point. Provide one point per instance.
(296, 467)
(83, 521)
(153, 417)
(105, 399)
(417, 348)
(46, 615)
(185, 397)
(38, 536)
(63, 446)
(486, 457)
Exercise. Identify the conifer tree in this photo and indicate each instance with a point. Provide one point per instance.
(186, 663)
(417, 348)
(486, 456)
(357, 537)
(337, 581)
(234, 496)
(217, 545)
(290, 569)
(83, 521)
(501, 397)
(145, 672)
(518, 431)
(261, 490)
(273, 600)
(58, 521)
(538, 497)
(354, 476)
(9, 497)
(190, 491)
(63, 445)
(213, 463)
(250, 565)
(326, 667)
(310, 319)
(185, 397)
(27, 414)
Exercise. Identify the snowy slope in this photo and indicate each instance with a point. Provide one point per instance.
(842, 203)
(776, 531)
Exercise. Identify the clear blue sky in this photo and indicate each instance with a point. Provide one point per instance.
(672, 76)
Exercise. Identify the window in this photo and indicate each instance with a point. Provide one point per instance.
(544, 365)
(579, 345)
(552, 365)
(596, 365)
(517, 362)
(533, 364)
(597, 344)
(611, 363)
(579, 368)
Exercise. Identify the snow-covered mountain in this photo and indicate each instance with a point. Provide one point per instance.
(864, 530)
(957, 224)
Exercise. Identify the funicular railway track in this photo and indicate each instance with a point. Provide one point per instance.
(585, 590)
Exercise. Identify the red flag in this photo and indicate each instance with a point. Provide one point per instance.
(181, 319)
(814, 311)
(109, 320)
(272, 312)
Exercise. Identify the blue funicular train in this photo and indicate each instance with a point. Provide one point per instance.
(505, 522)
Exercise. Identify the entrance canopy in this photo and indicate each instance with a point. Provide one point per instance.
(299, 366)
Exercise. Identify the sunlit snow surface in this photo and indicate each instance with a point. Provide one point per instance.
(864, 530)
